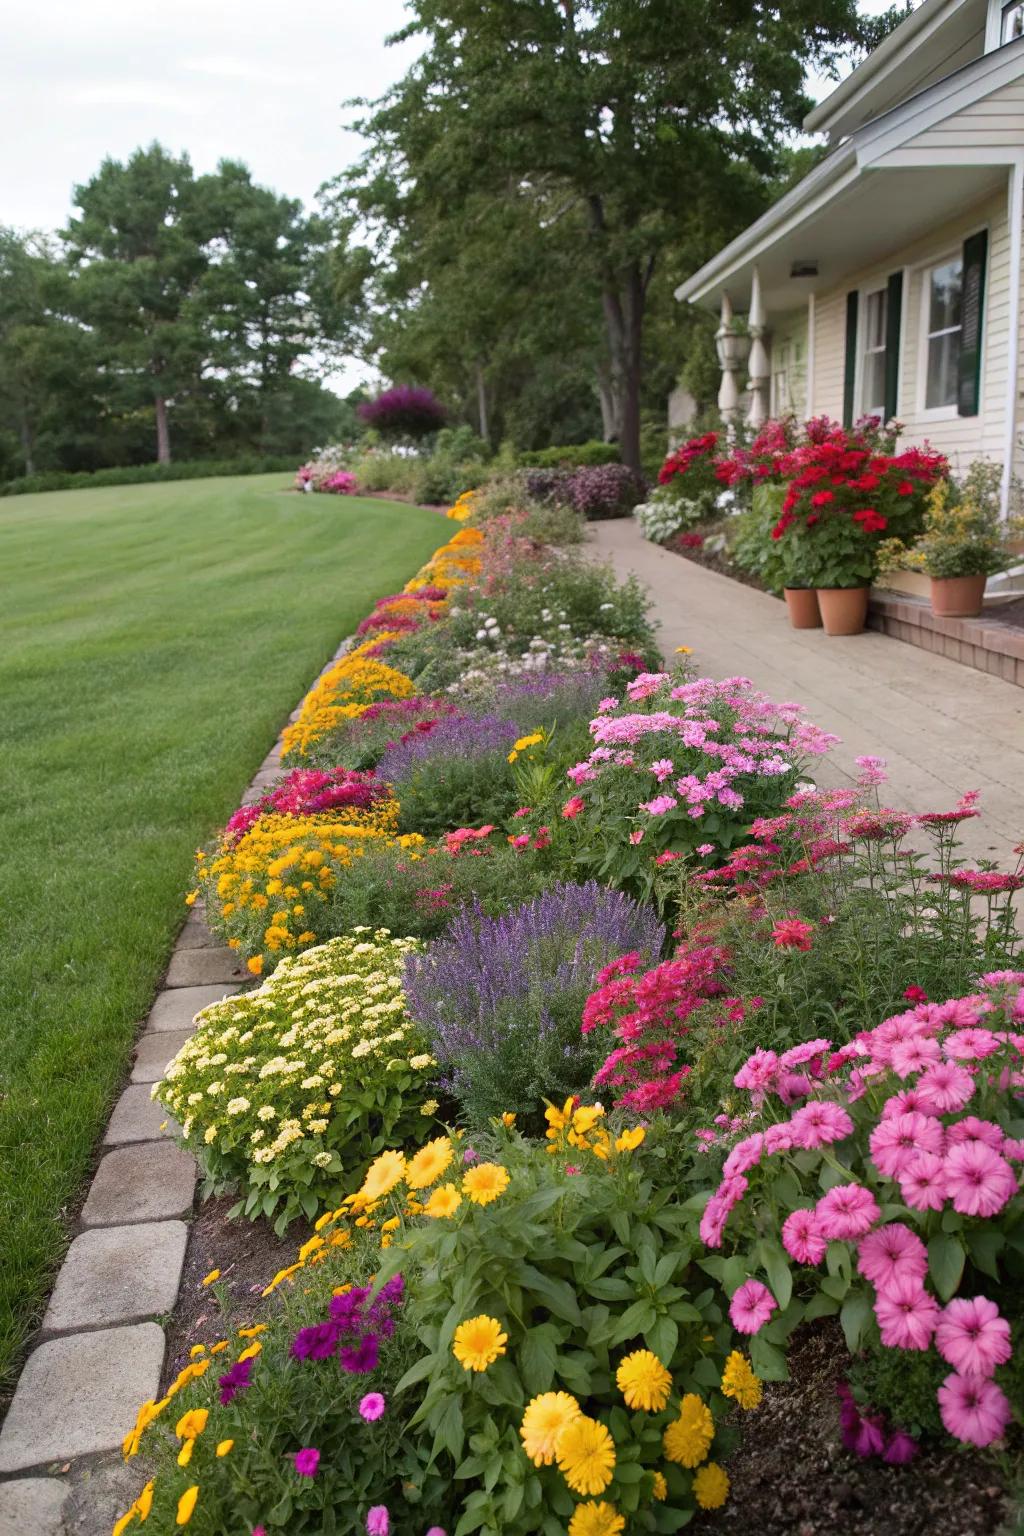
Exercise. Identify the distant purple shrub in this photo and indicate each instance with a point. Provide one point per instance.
(545, 484)
(605, 490)
(404, 411)
(501, 998)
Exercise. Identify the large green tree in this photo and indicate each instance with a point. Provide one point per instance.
(656, 128)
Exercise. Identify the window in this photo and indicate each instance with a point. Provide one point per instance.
(872, 376)
(1012, 24)
(944, 330)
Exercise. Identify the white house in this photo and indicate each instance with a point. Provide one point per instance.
(889, 279)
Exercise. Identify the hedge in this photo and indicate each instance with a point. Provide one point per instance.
(143, 474)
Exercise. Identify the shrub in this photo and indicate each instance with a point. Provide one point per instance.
(404, 411)
(661, 517)
(341, 483)
(680, 770)
(898, 1170)
(359, 741)
(380, 470)
(571, 456)
(605, 490)
(752, 546)
(512, 1279)
(453, 775)
(963, 533)
(500, 998)
(146, 474)
(285, 1093)
(688, 477)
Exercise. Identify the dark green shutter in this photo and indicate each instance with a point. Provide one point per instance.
(850, 380)
(968, 387)
(893, 316)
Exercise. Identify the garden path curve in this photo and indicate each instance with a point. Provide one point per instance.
(942, 727)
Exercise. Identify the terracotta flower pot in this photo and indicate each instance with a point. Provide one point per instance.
(802, 603)
(958, 597)
(843, 609)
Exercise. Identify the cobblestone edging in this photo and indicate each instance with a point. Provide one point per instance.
(100, 1351)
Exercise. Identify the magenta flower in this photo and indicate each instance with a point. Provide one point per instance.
(946, 1087)
(792, 933)
(888, 1253)
(971, 1044)
(906, 1314)
(744, 1155)
(306, 1461)
(848, 1210)
(751, 1307)
(978, 1181)
(801, 1238)
(868, 1439)
(900, 1448)
(818, 1125)
(378, 1521)
(372, 1407)
(923, 1182)
(973, 1337)
(897, 1139)
(973, 1409)
(970, 1128)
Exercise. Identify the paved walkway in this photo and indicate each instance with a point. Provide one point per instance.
(942, 727)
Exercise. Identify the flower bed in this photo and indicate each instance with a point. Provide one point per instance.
(520, 1311)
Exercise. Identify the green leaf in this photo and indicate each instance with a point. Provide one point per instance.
(767, 1360)
(662, 1338)
(855, 1315)
(985, 1245)
(537, 1359)
(557, 1295)
(945, 1263)
(417, 1372)
(777, 1269)
(635, 1320)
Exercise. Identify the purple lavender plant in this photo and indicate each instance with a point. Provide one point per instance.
(457, 736)
(501, 998)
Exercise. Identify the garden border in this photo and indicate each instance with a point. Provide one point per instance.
(100, 1345)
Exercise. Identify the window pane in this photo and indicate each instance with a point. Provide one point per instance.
(874, 384)
(1013, 23)
(943, 356)
(874, 331)
(946, 286)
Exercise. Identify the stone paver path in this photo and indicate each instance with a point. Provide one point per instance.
(100, 1351)
(942, 727)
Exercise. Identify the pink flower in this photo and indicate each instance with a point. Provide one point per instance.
(572, 808)
(978, 1181)
(900, 1448)
(792, 933)
(906, 1314)
(801, 1238)
(372, 1407)
(818, 1125)
(916, 995)
(705, 848)
(607, 704)
(896, 1139)
(970, 1128)
(889, 1252)
(637, 836)
(307, 1461)
(779, 1138)
(904, 1102)
(751, 1307)
(663, 769)
(946, 1087)
(758, 1072)
(973, 1409)
(914, 1055)
(923, 1182)
(378, 1521)
(970, 1044)
(848, 1210)
(973, 1337)
(744, 1154)
(659, 805)
(868, 1439)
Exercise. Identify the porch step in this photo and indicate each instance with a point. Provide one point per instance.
(983, 643)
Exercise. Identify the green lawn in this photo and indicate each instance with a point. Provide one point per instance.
(152, 641)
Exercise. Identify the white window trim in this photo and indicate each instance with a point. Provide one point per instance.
(994, 25)
(923, 271)
(877, 286)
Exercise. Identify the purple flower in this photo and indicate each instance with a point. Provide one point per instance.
(372, 1406)
(362, 1359)
(900, 1448)
(306, 1461)
(404, 410)
(457, 738)
(235, 1380)
(378, 1521)
(316, 1343)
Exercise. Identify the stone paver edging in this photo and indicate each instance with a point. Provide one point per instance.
(100, 1351)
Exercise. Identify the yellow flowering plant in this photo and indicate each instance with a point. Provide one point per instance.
(287, 1092)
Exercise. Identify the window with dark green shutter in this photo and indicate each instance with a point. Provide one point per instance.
(972, 314)
(893, 321)
(850, 377)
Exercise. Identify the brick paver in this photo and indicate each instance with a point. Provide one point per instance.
(942, 727)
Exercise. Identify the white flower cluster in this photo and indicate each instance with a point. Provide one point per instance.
(275, 1067)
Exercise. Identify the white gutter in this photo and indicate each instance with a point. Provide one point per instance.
(1016, 212)
(748, 245)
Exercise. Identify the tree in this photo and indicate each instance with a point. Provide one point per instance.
(658, 126)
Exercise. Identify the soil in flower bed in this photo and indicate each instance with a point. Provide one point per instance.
(248, 1255)
(714, 560)
(790, 1473)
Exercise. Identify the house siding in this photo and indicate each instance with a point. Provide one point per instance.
(963, 438)
(994, 122)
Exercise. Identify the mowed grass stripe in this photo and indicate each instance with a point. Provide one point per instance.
(152, 641)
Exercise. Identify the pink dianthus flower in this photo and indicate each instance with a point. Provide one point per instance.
(889, 1252)
(801, 1238)
(978, 1180)
(751, 1307)
(972, 1336)
(847, 1210)
(906, 1314)
(973, 1409)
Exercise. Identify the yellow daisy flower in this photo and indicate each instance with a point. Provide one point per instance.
(739, 1381)
(429, 1163)
(478, 1342)
(443, 1202)
(711, 1486)
(485, 1183)
(596, 1520)
(643, 1381)
(384, 1173)
(586, 1455)
(543, 1421)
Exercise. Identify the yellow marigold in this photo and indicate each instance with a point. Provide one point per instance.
(543, 1421)
(478, 1342)
(711, 1486)
(688, 1440)
(739, 1381)
(186, 1505)
(211, 1277)
(643, 1381)
(585, 1452)
(596, 1520)
(429, 1163)
(224, 1447)
(255, 964)
(191, 1423)
(485, 1182)
(443, 1202)
(383, 1174)
(659, 1489)
(630, 1140)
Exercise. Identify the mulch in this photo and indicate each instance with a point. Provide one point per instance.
(791, 1476)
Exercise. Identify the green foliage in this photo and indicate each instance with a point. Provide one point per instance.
(147, 474)
(964, 533)
(571, 456)
(751, 544)
(286, 1093)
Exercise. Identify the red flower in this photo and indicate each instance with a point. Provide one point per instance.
(905, 488)
(822, 498)
(572, 808)
(870, 520)
(792, 933)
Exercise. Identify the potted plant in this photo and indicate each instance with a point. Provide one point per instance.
(843, 492)
(962, 542)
